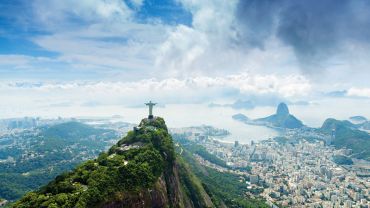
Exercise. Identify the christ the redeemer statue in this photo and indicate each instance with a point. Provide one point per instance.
(150, 104)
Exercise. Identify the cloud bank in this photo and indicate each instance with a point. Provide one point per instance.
(184, 50)
(171, 90)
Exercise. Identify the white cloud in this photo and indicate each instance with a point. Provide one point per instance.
(359, 92)
(179, 53)
(210, 46)
(99, 35)
(286, 86)
(137, 3)
(212, 16)
(15, 59)
(204, 46)
(22, 62)
(95, 53)
(58, 14)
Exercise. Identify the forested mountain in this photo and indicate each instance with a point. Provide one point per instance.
(141, 170)
(346, 135)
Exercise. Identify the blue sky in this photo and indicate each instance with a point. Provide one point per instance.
(23, 23)
(210, 51)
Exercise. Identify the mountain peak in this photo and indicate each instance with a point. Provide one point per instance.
(282, 109)
(282, 119)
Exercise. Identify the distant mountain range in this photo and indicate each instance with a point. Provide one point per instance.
(281, 119)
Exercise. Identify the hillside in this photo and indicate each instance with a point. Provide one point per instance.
(141, 170)
(347, 136)
(72, 130)
(366, 125)
(31, 158)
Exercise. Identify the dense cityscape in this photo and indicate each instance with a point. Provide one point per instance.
(291, 172)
